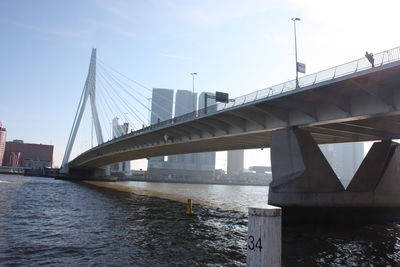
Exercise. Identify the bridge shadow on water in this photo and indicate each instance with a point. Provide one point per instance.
(352, 244)
(339, 216)
(341, 236)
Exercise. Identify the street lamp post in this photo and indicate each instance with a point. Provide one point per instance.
(295, 50)
(193, 74)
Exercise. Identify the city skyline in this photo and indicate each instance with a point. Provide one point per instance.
(236, 47)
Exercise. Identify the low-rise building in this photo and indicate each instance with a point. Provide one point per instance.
(20, 154)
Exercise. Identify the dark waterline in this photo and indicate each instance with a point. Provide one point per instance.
(53, 222)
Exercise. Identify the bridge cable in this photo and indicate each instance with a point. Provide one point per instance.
(124, 101)
(104, 115)
(135, 112)
(115, 80)
(111, 106)
(117, 106)
(123, 88)
(138, 83)
(107, 104)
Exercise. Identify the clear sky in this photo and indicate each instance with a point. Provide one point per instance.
(234, 46)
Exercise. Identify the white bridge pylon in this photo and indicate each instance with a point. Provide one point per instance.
(89, 91)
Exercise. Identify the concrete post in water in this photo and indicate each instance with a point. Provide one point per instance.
(264, 238)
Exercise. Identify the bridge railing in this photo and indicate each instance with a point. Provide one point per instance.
(355, 66)
(358, 65)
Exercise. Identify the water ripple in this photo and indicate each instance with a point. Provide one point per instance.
(58, 223)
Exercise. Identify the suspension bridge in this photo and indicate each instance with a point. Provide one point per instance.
(352, 102)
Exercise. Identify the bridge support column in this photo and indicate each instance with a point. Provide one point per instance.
(377, 180)
(301, 175)
(97, 174)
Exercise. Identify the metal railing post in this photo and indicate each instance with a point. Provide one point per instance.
(357, 65)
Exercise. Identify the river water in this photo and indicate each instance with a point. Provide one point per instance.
(62, 223)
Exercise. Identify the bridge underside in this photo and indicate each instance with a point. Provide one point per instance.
(371, 129)
(363, 106)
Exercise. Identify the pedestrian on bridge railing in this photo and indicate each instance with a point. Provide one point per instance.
(370, 58)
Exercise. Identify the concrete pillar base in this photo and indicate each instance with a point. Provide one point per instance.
(335, 199)
(302, 177)
(336, 216)
(95, 174)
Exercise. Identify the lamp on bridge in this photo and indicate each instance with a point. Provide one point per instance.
(299, 66)
(193, 74)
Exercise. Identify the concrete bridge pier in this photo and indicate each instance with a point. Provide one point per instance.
(302, 177)
(377, 180)
(85, 173)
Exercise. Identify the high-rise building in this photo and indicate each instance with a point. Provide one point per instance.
(235, 161)
(20, 154)
(344, 159)
(205, 161)
(117, 131)
(183, 105)
(3, 135)
(184, 102)
(161, 110)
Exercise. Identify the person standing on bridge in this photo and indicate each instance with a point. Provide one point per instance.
(370, 58)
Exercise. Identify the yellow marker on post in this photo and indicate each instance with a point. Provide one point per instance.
(189, 210)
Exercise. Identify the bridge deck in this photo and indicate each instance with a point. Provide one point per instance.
(336, 108)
